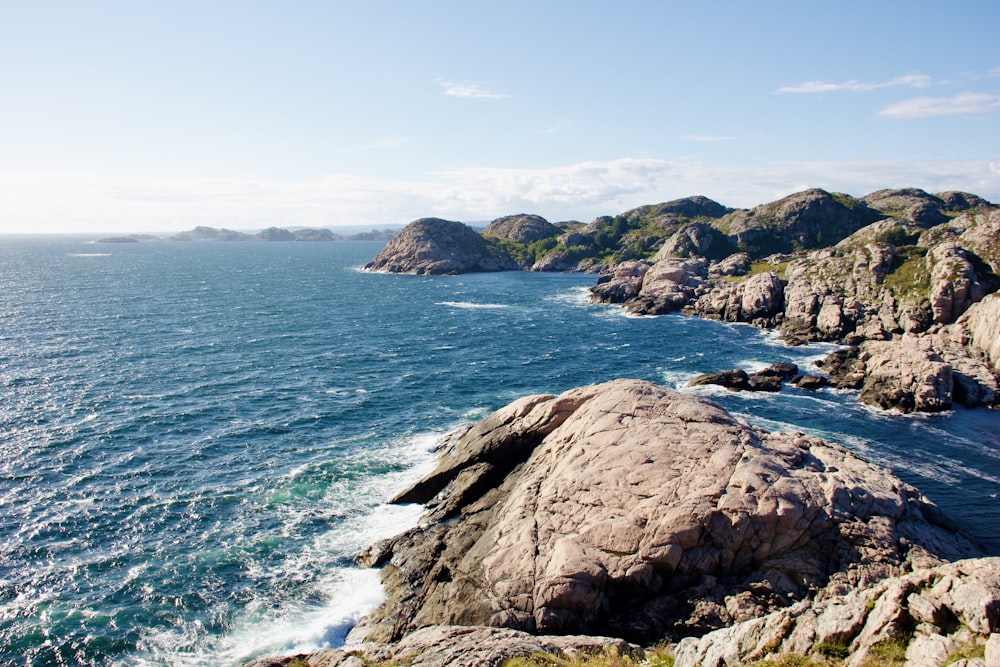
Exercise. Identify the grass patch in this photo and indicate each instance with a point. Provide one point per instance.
(967, 651)
(832, 649)
(888, 653)
(908, 273)
(609, 657)
(788, 660)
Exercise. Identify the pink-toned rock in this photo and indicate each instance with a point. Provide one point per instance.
(631, 510)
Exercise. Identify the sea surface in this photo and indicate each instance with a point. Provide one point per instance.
(196, 438)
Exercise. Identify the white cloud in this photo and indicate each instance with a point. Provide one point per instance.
(470, 90)
(64, 202)
(908, 81)
(926, 107)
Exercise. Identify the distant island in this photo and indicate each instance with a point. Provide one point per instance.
(202, 233)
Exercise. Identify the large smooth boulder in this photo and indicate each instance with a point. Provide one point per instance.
(630, 510)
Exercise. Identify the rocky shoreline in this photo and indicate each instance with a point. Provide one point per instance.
(907, 278)
(626, 515)
(623, 517)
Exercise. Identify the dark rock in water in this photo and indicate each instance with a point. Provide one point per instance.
(809, 382)
(846, 370)
(435, 246)
(768, 379)
(736, 379)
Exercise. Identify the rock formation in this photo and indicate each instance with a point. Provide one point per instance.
(631, 510)
(522, 228)
(904, 280)
(436, 246)
(927, 615)
(639, 513)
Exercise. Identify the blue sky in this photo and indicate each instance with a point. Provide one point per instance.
(159, 116)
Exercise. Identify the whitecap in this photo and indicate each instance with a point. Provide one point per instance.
(472, 305)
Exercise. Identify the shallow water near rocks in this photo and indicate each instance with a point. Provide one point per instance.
(196, 438)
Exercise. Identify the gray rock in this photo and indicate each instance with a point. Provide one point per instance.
(910, 204)
(435, 246)
(934, 610)
(522, 228)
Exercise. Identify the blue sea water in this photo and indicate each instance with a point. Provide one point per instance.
(196, 438)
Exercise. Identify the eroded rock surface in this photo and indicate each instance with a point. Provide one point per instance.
(932, 612)
(631, 510)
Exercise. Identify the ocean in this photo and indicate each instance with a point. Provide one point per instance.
(197, 438)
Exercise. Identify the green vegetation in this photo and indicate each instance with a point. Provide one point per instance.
(606, 658)
(609, 657)
(788, 660)
(908, 275)
(888, 653)
(967, 651)
(832, 649)
(897, 236)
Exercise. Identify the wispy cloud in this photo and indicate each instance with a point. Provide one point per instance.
(907, 81)
(927, 107)
(61, 202)
(470, 90)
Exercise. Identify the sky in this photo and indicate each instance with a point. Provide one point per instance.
(160, 115)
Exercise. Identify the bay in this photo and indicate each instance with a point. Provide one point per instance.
(196, 438)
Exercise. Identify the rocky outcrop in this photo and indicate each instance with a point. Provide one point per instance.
(631, 510)
(522, 228)
(809, 219)
(436, 246)
(626, 512)
(767, 379)
(457, 646)
(622, 285)
(953, 364)
(912, 204)
(927, 615)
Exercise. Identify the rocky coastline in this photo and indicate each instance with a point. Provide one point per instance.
(623, 516)
(907, 279)
(628, 520)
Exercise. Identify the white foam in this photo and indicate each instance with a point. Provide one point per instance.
(340, 596)
(472, 305)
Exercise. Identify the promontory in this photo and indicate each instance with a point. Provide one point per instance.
(622, 516)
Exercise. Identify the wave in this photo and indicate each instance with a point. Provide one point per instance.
(471, 305)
